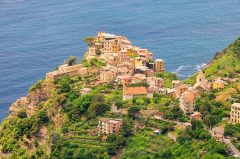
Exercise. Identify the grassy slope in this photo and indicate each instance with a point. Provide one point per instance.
(146, 144)
(224, 64)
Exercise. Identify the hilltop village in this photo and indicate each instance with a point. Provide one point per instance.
(120, 102)
(113, 59)
(135, 69)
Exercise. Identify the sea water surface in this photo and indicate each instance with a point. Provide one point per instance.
(38, 35)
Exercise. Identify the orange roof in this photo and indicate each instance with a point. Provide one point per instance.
(159, 113)
(135, 90)
(104, 137)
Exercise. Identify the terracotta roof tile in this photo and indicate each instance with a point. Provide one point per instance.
(135, 90)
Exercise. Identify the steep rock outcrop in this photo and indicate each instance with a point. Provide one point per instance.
(32, 100)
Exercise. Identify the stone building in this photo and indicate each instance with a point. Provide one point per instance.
(66, 70)
(107, 75)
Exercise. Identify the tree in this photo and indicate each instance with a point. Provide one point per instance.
(209, 120)
(167, 154)
(127, 128)
(89, 40)
(184, 136)
(99, 108)
(112, 137)
(22, 114)
(83, 102)
(72, 60)
(43, 117)
(229, 130)
(196, 124)
(119, 103)
(132, 111)
(65, 87)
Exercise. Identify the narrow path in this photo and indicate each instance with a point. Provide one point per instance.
(233, 148)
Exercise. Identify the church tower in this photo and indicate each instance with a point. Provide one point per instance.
(201, 77)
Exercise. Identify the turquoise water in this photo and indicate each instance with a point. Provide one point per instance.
(37, 35)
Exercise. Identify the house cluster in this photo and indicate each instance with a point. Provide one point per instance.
(187, 94)
(154, 85)
(122, 58)
(126, 64)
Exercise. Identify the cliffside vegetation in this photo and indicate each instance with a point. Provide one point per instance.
(224, 64)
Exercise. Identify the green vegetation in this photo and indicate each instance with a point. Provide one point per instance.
(212, 111)
(169, 106)
(146, 144)
(234, 132)
(72, 60)
(90, 40)
(15, 129)
(22, 113)
(37, 85)
(198, 131)
(174, 113)
(140, 84)
(224, 64)
(168, 77)
(93, 63)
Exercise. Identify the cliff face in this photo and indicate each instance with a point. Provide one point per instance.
(33, 99)
(27, 133)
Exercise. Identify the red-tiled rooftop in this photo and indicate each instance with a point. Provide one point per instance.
(159, 113)
(135, 90)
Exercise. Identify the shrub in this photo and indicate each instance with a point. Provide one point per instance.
(37, 85)
(72, 60)
(22, 114)
(43, 117)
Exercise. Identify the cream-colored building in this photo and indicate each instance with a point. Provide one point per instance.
(91, 51)
(187, 101)
(202, 83)
(176, 83)
(235, 113)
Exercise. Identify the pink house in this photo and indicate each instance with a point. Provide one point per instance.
(109, 126)
(114, 126)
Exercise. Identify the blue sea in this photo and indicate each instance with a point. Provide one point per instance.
(38, 35)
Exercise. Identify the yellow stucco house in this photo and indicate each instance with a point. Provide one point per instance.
(218, 84)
